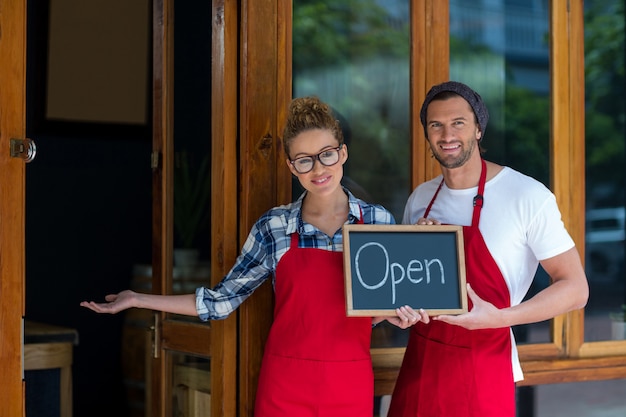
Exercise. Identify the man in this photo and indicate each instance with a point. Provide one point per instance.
(467, 365)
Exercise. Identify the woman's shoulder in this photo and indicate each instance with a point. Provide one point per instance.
(279, 217)
(373, 213)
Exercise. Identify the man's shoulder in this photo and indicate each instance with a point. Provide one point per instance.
(514, 176)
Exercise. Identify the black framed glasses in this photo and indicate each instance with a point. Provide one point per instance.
(328, 157)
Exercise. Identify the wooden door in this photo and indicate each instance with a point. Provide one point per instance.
(248, 99)
(199, 357)
(12, 125)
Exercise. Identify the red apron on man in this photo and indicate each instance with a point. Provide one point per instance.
(449, 371)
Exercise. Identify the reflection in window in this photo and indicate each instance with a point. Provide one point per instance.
(604, 151)
(192, 148)
(354, 55)
(500, 48)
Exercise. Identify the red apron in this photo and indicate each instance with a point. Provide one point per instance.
(316, 361)
(449, 371)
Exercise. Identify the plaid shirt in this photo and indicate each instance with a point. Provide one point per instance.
(267, 242)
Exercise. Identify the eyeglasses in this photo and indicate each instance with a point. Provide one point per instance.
(327, 158)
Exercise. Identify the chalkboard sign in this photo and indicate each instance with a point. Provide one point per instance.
(389, 266)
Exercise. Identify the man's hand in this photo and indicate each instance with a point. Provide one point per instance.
(483, 315)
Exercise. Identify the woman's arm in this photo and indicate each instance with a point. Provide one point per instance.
(178, 304)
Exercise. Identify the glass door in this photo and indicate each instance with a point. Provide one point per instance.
(179, 374)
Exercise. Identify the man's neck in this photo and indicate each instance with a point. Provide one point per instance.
(468, 175)
(465, 176)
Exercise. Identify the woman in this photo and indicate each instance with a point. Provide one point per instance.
(316, 359)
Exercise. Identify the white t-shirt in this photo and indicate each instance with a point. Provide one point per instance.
(520, 223)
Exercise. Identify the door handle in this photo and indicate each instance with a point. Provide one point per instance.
(24, 149)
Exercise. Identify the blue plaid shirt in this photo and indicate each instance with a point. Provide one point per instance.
(267, 242)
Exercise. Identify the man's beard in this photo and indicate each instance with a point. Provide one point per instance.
(457, 161)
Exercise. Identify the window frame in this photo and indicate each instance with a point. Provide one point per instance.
(568, 357)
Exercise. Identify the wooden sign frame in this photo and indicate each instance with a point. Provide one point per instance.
(362, 249)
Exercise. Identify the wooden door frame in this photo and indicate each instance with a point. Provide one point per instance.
(170, 334)
(264, 95)
(12, 204)
(224, 183)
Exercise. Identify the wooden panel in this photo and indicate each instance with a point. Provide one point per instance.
(567, 156)
(547, 370)
(47, 355)
(161, 34)
(259, 153)
(430, 57)
(570, 370)
(603, 349)
(539, 351)
(189, 337)
(283, 95)
(224, 184)
(12, 125)
(386, 362)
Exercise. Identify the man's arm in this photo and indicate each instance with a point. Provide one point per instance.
(569, 291)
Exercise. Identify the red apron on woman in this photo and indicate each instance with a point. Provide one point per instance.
(449, 371)
(316, 361)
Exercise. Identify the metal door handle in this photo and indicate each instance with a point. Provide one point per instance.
(24, 149)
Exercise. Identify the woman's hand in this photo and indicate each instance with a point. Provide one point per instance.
(427, 222)
(407, 317)
(114, 303)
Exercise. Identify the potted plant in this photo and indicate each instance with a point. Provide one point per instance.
(192, 192)
(618, 324)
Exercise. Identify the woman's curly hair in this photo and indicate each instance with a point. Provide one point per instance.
(308, 113)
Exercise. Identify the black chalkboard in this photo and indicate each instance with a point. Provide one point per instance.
(389, 266)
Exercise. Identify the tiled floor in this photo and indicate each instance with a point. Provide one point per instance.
(581, 399)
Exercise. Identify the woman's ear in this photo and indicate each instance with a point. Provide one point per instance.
(345, 149)
(291, 168)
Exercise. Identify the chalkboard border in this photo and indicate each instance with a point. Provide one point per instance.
(348, 229)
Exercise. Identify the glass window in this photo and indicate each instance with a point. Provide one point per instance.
(605, 315)
(192, 147)
(354, 55)
(501, 50)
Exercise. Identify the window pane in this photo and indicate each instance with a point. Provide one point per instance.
(500, 49)
(604, 141)
(354, 55)
(192, 146)
(190, 385)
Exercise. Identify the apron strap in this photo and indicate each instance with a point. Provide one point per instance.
(430, 205)
(478, 198)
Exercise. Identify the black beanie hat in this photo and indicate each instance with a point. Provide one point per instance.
(471, 96)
